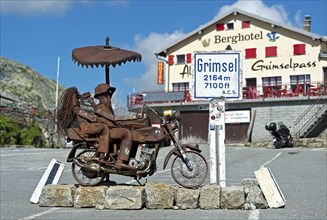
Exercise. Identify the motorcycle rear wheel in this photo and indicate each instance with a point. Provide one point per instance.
(84, 176)
(190, 179)
(278, 144)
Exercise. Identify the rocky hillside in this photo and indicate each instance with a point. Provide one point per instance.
(28, 87)
(23, 84)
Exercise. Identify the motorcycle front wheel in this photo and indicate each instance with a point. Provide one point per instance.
(290, 141)
(84, 176)
(191, 179)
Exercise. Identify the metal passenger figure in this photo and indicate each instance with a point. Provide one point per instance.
(70, 112)
(104, 92)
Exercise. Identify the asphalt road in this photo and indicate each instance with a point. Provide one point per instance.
(299, 172)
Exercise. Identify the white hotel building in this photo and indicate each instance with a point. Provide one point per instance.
(283, 73)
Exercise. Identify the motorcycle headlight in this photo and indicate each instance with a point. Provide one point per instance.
(173, 125)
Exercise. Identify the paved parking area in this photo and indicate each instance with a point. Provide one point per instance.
(299, 172)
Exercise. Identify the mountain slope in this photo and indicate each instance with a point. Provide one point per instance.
(23, 84)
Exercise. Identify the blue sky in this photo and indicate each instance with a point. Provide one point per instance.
(37, 32)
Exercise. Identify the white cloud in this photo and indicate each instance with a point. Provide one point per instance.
(298, 19)
(275, 12)
(148, 46)
(32, 7)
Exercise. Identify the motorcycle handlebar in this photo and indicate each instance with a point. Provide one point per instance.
(153, 111)
(164, 121)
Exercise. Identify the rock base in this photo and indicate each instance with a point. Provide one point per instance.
(155, 196)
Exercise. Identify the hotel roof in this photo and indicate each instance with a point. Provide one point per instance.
(236, 11)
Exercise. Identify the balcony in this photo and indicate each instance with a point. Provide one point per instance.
(249, 93)
(284, 90)
(157, 97)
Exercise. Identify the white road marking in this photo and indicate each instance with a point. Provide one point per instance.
(26, 154)
(39, 214)
(51, 176)
(268, 162)
(36, 168)
(254, 214)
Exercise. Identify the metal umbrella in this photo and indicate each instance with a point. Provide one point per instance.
(103, 55)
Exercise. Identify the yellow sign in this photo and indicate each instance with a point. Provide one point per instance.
(160, 73)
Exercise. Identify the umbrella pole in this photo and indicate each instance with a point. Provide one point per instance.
(107, 179)
(107, 75)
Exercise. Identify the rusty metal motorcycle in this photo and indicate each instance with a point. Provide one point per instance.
(188, 168)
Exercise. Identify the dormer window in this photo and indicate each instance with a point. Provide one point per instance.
(180, 59)
(230, 26)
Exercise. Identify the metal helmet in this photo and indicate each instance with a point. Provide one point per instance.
(104, 88)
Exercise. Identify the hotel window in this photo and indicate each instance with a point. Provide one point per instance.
(299, 49)
(271, 84)
(250, 53)
(220, 27)
(300, 83)
(271, 51)
(181, 87)
(230, 26)
(245, 24)
(180, 59)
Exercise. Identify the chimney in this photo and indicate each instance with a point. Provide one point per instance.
(307, 23)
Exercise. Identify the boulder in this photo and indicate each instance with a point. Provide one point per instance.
(125, 197)
(187, 198)
(254, 196)
(57, 195)
(159, 196)
(90, 197)
(232, 197)
(210, 197)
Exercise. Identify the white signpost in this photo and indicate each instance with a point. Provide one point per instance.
(217, 76)
(217, 141)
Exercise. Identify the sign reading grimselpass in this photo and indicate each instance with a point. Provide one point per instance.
(217, 74)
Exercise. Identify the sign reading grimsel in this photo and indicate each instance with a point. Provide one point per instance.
(217, 75)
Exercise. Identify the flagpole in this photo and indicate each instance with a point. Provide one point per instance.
(57, 92)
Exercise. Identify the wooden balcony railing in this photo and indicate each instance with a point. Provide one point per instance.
(248, 92)
(150, 97)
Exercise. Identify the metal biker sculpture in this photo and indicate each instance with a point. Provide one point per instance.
(189, 168)
(104, 145)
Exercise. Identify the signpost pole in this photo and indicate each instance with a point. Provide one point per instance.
(213, 150)
(221, 146)
(217, 142)
(217, 76)
(217, 153)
